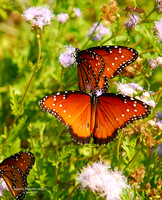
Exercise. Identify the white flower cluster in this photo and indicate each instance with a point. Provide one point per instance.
(3, 186)
(131, 89)
(38, 16)
(101, 179)
(67, 58)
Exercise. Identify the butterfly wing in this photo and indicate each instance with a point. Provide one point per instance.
(14, 171)
(73, 109)
(116, 58)
(87, 79)
(90, 68)
(16, 181)
(113, 113)
(96, 63)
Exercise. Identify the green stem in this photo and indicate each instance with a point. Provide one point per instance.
(91, 35)
(118, 146)
(113, 36)
(131, 163)
(27, 88)
(152, 11)
(69, 197)
(57, 151)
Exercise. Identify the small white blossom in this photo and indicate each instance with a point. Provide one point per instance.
(159, 61)
(146, 95)
(77, 12)
(126, 89)
(132, 21)
(151, 122)
(151, 103)
(67, 58)
(3, 186)
(99, 93)
(100, 178)
(100, 31)
(158, 27)
(136, 86)
(62, 17)
(159, 123)
(38, 16)
(146, 99)
(152, 63)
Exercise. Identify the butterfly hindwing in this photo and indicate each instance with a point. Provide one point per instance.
(114, 111)
(73, 110)
(14, 171)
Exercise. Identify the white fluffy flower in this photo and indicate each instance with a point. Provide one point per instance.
(38, 16)
(3, 186)
(67, 58)
(126, 89)
(62, 17)
(100, 178)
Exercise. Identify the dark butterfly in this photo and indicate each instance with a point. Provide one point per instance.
(101, 115)
(14, 171)
(97, 64)
(133, 9)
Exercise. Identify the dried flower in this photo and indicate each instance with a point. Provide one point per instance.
(150, 142)
(132, 69)
(138, 175)
(99, 32)
(62, 17)
(67, 58)
(158, 27)
(109, 15)
(77, 12)
(100, 178)
(38, 16)
(132, 22)
(3, 186)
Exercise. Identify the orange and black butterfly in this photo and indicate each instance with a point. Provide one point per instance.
(101, 115)
(14, 171)
(96, 64)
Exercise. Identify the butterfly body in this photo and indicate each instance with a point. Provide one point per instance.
(86, 114)
(96, 64)
(14, 171)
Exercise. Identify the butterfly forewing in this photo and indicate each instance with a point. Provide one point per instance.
(116, 58)
(73, 110)
(114, 112)
(103, 61)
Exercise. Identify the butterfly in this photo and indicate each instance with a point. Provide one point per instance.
(133, 9)
(97, 64)
(14, 171)
(99, 114)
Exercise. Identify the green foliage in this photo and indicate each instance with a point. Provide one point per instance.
(24, 68)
